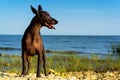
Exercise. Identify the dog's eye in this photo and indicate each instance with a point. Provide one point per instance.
(48, 17)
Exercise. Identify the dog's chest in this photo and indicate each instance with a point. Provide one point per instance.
(37, 42)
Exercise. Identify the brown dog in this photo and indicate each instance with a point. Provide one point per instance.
(32, 41)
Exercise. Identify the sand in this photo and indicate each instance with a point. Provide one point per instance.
(82, 75)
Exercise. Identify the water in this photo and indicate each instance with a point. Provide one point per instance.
(11, 44)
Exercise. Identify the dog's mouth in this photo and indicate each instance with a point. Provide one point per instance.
(50, 26)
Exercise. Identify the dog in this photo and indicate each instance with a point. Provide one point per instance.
(32, 41)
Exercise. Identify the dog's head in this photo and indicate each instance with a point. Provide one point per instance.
(44, 17)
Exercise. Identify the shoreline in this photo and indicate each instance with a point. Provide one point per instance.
(65, 68)
(49, 53)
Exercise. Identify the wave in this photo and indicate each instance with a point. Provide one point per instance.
(67, 52)
(47, 51)
(50, 51)
(9, 48)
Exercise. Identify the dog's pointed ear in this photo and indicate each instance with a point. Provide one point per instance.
(39, 8)
(34, 10)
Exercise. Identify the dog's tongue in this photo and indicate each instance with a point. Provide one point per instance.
(50, 26)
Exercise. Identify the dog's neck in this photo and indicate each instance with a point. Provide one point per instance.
(34, 28)
(35, 23)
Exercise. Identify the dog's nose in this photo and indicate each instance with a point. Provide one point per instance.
(56, 22)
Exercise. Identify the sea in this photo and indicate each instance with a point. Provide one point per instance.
(101, 45)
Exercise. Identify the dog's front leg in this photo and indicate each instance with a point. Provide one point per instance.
(44, 62)
(39, 64)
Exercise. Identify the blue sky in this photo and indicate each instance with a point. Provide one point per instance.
(76, 17)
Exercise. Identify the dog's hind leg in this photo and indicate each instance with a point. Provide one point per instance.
(28, 60)
(24, 61)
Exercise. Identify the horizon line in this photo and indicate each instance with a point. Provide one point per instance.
(62, 35)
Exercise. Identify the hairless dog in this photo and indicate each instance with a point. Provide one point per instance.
(32, 41)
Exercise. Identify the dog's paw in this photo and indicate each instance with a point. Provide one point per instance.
(38, 75)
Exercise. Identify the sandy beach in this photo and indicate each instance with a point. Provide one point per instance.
(77, 69)
(83, 75)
